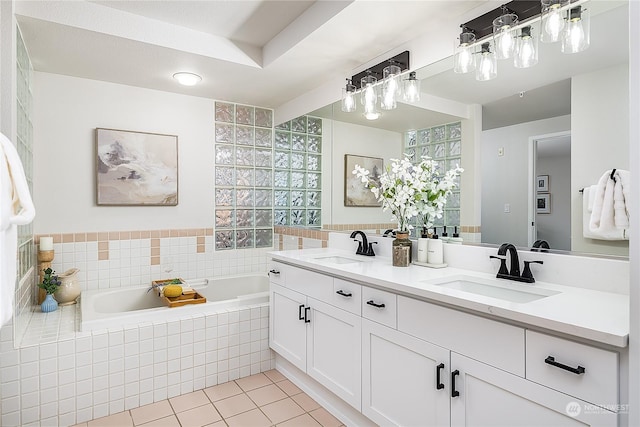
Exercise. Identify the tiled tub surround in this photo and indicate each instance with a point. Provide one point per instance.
(104, 372)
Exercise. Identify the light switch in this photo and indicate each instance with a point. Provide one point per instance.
(507, 208)
(501, 151)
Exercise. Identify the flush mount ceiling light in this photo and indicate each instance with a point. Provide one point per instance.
(512, 31)
(382, 83)
(187, 79)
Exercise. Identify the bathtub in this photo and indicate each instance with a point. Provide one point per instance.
(120, 307)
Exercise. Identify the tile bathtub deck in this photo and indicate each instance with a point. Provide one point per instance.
(265, 399)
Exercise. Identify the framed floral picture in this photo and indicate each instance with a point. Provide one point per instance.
(136, 168)
(356, 194)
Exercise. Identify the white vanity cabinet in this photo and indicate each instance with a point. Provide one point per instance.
(317, 337)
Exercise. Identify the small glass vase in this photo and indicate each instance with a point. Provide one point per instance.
(49, 304)
(402, 249)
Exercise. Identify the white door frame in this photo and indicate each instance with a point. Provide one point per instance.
(531, 195)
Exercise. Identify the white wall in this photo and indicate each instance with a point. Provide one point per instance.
(504, 178)
(67, 111)
(348, 138)
(600, 135)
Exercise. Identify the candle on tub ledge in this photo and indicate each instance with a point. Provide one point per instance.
(46, 243)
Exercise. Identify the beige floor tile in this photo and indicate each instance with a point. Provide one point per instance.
(304, 420)
(234, 405)
(275, 376)
(322, 416)
(289, 387)
(80, 425)
(265, 395)
(282, 410)
(122, 419)
(189, 401)
(307, 403)
(151, 412)
(222, 391)
(253, 382)
(220, 423)
(198, 417)
(253, 418)
(171, 421)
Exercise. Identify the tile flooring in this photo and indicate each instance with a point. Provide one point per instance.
(265, 399)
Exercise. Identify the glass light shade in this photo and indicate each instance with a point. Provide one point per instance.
(187, 79)
(464, 61)
(487, 67)
(411, 88)
(575, 37)
(526, 54)
(369, 97)
(504, 35)
(349, 98)
(390, 87)
(553, 21)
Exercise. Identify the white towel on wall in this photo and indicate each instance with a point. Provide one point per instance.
(16, 208)
(609, 215)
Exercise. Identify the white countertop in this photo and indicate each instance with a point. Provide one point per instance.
(592, 315)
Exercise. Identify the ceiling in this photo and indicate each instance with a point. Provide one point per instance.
(259, 52)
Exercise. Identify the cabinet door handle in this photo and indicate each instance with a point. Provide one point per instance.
(439, 385)
(344, 294)
(276, 272)
(306, 315)
(375, 305)
(552, 361)
(454, 392)
(300, 315)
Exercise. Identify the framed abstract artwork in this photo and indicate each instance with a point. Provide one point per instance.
(355, 192)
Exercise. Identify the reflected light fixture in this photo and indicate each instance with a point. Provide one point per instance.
(504, 34)
(349, 97)
(552, 20)
(187, 79)
(464, 61)
(390, 86)
(411, 88)
(369, 96)
(487, 68)
(526, 54)
(576, 33)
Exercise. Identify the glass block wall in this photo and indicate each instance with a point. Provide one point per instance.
(24, 146)
(443, 144)
(297, 172)
(243, 176)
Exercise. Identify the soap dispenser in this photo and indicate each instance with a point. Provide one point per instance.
(423, 245)
(444, 236)
(434, 252)
(455, 239)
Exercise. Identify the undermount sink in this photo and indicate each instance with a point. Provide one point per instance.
(497, 291)
(335, 259)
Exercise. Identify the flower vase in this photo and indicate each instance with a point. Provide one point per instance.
(401, 249)
(49, 304)
(69, 289)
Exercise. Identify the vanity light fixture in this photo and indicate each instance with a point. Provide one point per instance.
(576, 32)
(187, 79)
(411, 88)
(390, 86)
(464, 62)
(349, 97)
(552, 20)
(487, 68)
(369, 96)
(504, 33)
(526, 52)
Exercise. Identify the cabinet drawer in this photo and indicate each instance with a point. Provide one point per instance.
(310, 283)
(277, 273)
(488, 341)
(556, 363)
(346, 295)
(379, 306)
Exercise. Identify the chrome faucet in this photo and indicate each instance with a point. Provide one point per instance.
(364, 247)
(514, 272)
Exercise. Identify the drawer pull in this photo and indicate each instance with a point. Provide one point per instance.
(344, 294)
(552, 361)
(276, 272)
(375, 305)
(454, 392)
(439, 385)
(306, 314)
(300, 315)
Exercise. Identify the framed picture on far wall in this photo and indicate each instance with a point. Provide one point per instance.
(355, 192)
(542, 183)
(136, 168)
(543, 204)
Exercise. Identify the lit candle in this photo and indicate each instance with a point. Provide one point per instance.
(46, 243)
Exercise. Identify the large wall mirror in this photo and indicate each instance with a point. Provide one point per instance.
(544, 132)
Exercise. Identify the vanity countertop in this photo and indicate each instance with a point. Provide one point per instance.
(588, 314)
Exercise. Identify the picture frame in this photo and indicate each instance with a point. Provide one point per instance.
(356, 194)
(136, 168)
(543, 203)
(542, 183)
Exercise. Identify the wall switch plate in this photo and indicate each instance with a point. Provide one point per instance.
(507, 208)
(501, 151)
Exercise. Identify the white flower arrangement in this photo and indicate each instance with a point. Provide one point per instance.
(409, 190)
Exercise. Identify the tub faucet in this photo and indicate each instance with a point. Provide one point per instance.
(364, 247)
(514, 272)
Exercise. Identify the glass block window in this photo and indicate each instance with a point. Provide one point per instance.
(443, 144)
(244, 179)
(24, 147)
(298, 172)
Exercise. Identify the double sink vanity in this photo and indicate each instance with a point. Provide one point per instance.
(434, 347)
